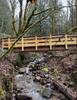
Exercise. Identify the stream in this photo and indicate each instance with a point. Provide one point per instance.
(26, 86)
(29, 88)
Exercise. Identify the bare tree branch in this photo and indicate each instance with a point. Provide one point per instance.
(36, 14)
(29, 19)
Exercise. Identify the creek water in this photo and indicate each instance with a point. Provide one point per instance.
(29, 87)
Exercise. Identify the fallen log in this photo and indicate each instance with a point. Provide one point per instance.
(65, 90)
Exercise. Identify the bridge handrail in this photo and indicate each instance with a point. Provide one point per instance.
(40, 41)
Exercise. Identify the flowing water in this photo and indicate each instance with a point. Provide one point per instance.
(29, 87)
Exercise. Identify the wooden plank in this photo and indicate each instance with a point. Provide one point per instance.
(2, 44)
(9, 43)
(72, 43)
(66, 44)
(43, 44)
(22, 44)
(36, 43)
(41, 41)
(29, 41)
(50, 42)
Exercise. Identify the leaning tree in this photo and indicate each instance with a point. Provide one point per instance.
(21, 24)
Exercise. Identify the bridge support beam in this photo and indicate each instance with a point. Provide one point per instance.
(36, 43)
(66, 42)
(22, 44)
(2, 44)
(9, 43)
(50, 42)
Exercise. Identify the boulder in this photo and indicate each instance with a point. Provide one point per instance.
(27, 70)
(22, 97)
(37, 79)
(47, 92)
(46, 76)
(71, 84)
(22, 70)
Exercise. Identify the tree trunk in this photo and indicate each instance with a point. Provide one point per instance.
(65, 90)
(76, 15)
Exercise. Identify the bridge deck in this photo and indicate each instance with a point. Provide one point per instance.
(41, 43)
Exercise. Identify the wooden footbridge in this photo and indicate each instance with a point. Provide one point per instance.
(42, 43)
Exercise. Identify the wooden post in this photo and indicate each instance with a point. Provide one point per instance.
(9, 43)
(2, 44)
(22, 43)
(36, 42)
(66, 44)
(50, 42)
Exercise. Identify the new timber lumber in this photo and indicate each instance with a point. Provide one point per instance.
(40, 42)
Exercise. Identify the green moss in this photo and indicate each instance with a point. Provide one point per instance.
(45, 69)
(56, 71)
(1, 92)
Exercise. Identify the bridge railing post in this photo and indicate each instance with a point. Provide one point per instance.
(22, 41)
(2, 44)
(66, 42)
(36, 42)
(9, 43)
(50, 42)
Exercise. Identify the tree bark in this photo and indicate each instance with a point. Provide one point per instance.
(20, 17)
(76, 15)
